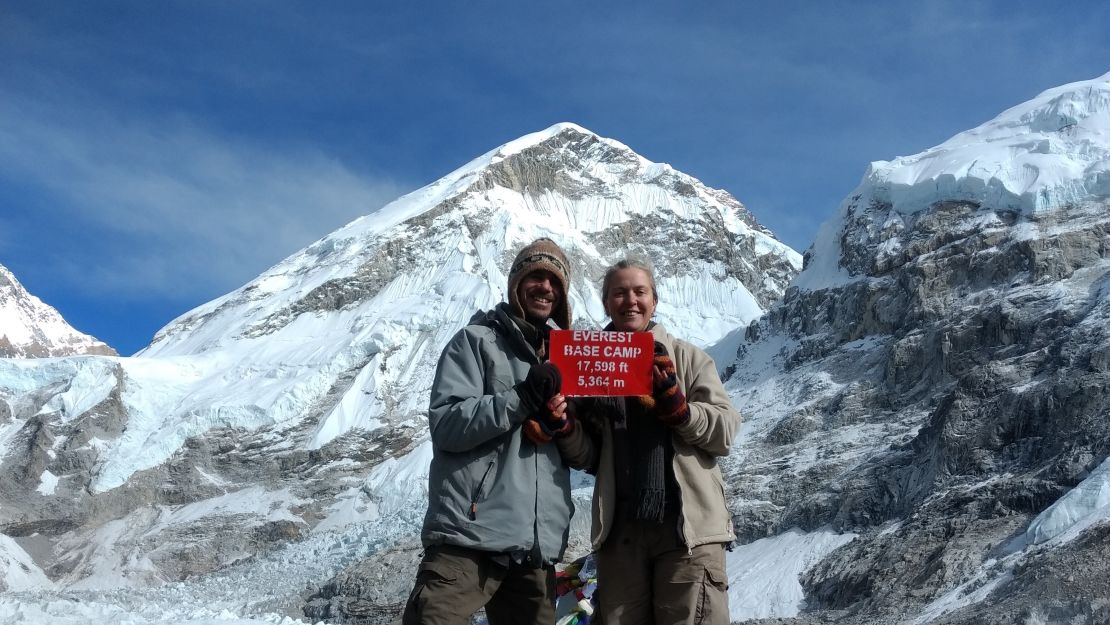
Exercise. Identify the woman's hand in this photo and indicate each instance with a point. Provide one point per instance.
(670, 401)
(557, 407)
(552, 421)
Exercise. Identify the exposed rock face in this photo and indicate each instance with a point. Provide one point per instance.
(935, 381)
(31, 329)
(1064, 585)
(936, 402)
(371, 592)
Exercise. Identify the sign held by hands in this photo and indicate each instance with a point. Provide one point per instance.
(600, 363)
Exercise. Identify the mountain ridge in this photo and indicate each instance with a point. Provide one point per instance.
(29, 328)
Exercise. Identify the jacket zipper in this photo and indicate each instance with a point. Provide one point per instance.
(681, 510)
(478, 492)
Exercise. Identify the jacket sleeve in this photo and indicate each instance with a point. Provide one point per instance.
(461, 416)
(713, 420)
(581, 449)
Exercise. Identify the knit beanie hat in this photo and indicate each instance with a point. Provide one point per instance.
(541, 254)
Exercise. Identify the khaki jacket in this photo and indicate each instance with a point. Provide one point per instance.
(698, 443)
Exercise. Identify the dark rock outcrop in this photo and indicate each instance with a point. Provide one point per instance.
(949, 392)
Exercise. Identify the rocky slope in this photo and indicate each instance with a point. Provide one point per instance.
(31, 329)
(937, 381)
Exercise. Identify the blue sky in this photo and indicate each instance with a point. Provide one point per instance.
(155, 155)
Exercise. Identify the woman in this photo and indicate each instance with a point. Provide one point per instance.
(660, 524)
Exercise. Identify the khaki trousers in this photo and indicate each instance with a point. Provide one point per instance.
(645, 576)
(452, 583)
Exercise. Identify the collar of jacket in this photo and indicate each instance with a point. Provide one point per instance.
(513, 328)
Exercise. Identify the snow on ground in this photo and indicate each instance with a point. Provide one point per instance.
(266, 590)
(723, 352)
(763, 575)
(718, 311)
(47, 483)
(93, 381)
(991, 575)
(763, 578)
(396, 489)
(824, 270)
(764, 396)
(1085, 505)
(73, 611)
(109, 555)
(18, 570)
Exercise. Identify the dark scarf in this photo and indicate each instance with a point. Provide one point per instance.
(536, 332)
(644, 456)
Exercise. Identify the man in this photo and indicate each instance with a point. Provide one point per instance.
(499, 501)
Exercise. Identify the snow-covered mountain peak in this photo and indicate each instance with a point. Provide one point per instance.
(1047, 154)
(937, 381)
(564, 137)
(533, 139)
(297, 403)
(30, 328)
(1040, 154)
(564, 182)
(342, 337)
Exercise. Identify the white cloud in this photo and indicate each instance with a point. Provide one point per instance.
(165, 206)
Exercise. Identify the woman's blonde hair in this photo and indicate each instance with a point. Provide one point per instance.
(629, 263)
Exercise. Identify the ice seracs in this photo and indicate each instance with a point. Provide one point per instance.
(1048, 153)
(1044, 153)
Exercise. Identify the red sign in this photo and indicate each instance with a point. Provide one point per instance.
(596, 362)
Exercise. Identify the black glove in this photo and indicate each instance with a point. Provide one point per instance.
(542, 383)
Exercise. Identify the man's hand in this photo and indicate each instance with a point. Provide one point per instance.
(541, 384)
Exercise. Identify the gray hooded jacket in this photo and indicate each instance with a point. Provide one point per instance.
(490, 488)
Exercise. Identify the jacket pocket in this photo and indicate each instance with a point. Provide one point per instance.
(435, 586)
(713, 603)
(478, 493)
(444, 571)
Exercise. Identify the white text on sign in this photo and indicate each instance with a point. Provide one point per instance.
(597, 362)
(601, 351)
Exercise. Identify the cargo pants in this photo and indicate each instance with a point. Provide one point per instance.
(452, 583)
(646, 576)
